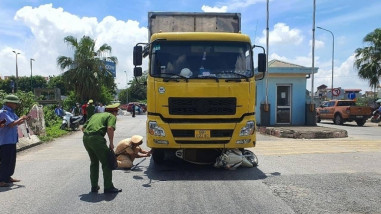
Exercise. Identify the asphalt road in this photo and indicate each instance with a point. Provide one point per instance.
(368, 131)
(294, 176)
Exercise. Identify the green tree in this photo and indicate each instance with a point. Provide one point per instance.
(368, 58)
(27, 101)
(138, 89)
(6, 85)
(24, 83)
(57, 82)
(86, 71)
(123, 95)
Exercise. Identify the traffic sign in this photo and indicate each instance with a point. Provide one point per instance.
(336, 92)
(351, 96)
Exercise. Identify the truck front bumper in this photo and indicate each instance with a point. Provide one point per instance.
(200, 135)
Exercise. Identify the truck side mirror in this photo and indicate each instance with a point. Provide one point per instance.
(138, 72)
(261, 62)
(137, 56)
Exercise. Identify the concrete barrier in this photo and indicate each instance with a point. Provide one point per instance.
(29, 131)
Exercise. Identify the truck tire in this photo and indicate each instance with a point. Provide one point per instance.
(338, 119)
(318, 119)
(158, 155)
(360, 122)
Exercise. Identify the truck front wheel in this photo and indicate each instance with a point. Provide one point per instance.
(338, 119)
(158, 155)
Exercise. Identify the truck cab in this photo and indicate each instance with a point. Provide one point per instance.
(200, 88)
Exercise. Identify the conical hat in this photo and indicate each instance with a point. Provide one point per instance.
(136, 139)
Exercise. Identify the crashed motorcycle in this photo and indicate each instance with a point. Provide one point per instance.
(69, 121)
(376, 117)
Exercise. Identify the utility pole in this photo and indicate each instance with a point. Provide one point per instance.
(17, 70)
(126, 84)
(31, 75)
(333, 55)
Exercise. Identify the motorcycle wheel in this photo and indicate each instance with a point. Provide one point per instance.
(63, 126)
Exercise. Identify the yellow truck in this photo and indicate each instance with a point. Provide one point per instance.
(200, 85)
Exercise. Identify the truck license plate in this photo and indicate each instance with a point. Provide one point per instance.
(202, 133)
(358, 116)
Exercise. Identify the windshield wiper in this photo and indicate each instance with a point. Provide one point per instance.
(241, 75)
(171, 78)
(228, 79)
(210, 77)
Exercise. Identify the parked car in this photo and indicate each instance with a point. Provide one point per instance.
(340, 111)
(140, 105)
(123, 106)
(143, 106)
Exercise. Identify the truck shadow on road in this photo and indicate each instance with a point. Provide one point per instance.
(180, 170)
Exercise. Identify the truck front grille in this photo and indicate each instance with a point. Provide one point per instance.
(213, 133)
(202, 106)
(202, 142)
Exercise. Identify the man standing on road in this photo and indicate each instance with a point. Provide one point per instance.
(94, 131)
(84, 111)
(8, 139)
(90, 109)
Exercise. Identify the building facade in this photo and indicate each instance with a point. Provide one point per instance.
(286, 93)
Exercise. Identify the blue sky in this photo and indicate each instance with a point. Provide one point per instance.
(36, 29)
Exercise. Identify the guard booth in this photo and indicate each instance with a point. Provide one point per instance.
(287, 95)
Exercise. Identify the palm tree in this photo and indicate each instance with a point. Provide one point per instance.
(368, 59)
(86, 72)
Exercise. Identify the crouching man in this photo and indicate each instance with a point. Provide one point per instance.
(129, 149)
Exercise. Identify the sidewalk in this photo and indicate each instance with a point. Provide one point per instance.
(304, 132)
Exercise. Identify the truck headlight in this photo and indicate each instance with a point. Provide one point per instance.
(248, 129)
(155, 129)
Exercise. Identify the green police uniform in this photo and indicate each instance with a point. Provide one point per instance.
(93, 139)
(90, 110)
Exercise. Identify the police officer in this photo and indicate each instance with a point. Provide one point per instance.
(94, 131)
(90, 109)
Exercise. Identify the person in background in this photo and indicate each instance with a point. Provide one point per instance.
(59, 111)
(9, 138)
(94, 141)
(84, 111)
(76, 110)
(90, 109)
(133, 110)
(101, 108)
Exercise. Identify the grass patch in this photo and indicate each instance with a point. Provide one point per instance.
(52, 132)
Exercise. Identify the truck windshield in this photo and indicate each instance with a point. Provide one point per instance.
(192, 59)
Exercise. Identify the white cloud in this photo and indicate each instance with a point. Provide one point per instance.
(318, 44)
(50, 25)
(344, 76)
(230, 5)
(221, 9)
(282, 34)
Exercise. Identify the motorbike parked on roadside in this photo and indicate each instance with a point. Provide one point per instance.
(69, 121)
